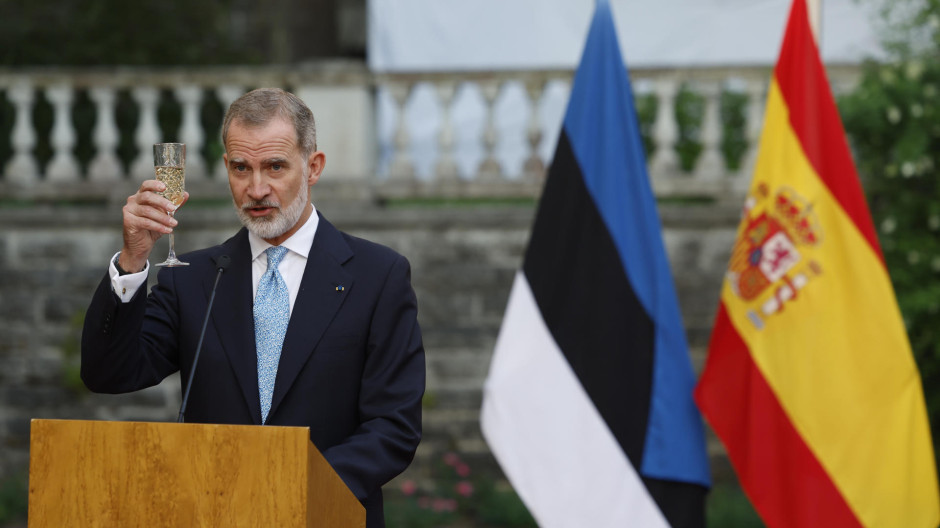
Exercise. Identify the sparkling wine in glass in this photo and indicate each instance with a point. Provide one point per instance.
(169, 162)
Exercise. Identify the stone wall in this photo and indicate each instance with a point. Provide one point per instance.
(464, 257)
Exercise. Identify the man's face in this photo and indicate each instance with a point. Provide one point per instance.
(270, 178)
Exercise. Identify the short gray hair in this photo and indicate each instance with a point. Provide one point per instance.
(259, 107)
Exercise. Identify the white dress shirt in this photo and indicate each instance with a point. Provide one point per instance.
(291, 267)
(294, 261)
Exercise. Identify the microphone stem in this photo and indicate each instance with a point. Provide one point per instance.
(202, 335)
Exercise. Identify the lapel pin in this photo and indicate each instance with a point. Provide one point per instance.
(340, 288)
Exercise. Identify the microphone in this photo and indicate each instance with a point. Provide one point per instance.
(221, 262)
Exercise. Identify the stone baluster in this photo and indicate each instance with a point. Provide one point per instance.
(534, 168)
(665, 160)
(446, 168)
(22, 168)
(147, 133)
(227, 94)
(191, 133)
(105, 166)
(63, 167)
(755, 122)
(711, 163)
(490, 170)
(402, 168)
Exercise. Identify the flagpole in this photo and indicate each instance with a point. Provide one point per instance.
(814, 9)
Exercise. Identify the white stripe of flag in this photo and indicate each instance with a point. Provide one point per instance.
(550, 440)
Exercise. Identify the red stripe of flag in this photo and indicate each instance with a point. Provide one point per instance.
(784, 480)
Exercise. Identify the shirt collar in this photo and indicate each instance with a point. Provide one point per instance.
(299, 242)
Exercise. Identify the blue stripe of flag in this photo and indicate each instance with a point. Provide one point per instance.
(602, 126)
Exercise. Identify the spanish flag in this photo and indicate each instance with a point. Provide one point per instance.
(810, 381)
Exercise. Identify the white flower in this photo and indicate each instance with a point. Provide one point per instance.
(894, 115)
(914, 69)
(887, 75)
(908, 169)
(913, 257)
(933, 222)
(888, 225)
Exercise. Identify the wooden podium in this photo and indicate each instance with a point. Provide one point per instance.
(90, 473)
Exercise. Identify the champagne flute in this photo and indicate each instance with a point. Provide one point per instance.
(169, 162)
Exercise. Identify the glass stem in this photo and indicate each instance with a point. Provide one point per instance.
(172, 255)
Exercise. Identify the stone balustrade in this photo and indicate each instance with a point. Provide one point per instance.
(449, 134)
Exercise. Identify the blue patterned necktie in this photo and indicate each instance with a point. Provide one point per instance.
(272, 313)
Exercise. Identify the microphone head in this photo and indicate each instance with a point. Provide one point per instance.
(221, 261)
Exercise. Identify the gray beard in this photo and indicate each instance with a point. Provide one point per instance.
(278, 222)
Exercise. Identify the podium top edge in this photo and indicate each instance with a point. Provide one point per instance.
(122, 423)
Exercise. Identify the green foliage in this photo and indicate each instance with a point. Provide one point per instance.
(405, 512)
(14, 496)
(498, 505)
(893, 122)
(909, 27)
(690, 112)
(455, 495)
(113, 32)
(72, 351)
(646, 116)
(734, 128)
(728, 507)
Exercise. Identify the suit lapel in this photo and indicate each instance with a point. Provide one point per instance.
(323, 289)
(233, 320)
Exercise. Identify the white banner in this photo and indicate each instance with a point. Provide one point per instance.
(427, 35)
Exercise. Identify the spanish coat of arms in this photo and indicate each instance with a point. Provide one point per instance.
(767, 269)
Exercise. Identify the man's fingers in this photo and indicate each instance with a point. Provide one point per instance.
(148, 218)
(141, 216)
(152, 225)
(152, 186)
(147, 194)
(155, 201)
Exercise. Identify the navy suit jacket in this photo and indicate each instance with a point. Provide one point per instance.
(351, 368)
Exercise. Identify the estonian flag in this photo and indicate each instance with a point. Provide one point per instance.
(588, 402)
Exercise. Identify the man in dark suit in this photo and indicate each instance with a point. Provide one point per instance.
(326, 337)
